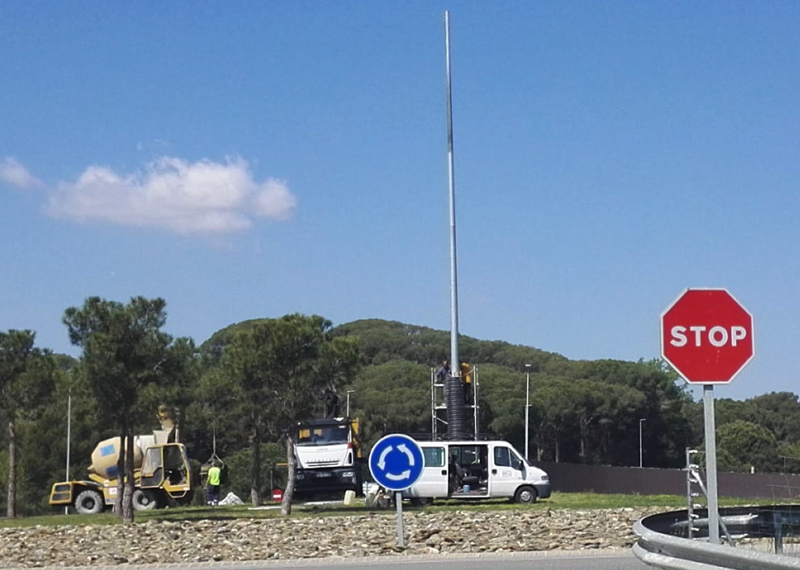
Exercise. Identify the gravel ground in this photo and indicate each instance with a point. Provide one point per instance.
(366, 535)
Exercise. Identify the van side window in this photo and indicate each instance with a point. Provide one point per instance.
(501, 457)
(434, 456)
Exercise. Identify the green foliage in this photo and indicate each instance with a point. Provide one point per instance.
(284, 370)
(773, 418)
(213, 348)
(744, 445)
(273, 465)
(579, 411)
(27, 376)
(37, 433)
(16, 354)
(241, 391)
(123, 350)
(779, 412)
(124, 354)
(275, 366)
(384, 341)
(503, 403)
(392, 397)
(212, 421)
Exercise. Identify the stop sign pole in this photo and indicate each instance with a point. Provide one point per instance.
(707, 337)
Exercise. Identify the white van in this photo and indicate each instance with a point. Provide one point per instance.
(477, 470)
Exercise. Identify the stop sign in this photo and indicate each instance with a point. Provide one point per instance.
(707, 336)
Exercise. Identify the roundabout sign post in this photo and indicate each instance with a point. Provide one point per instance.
(707, 336)
(396, 463)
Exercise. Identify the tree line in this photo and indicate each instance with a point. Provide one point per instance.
(238, 394)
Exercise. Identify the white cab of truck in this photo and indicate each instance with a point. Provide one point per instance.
(477, 470)
(328, 453)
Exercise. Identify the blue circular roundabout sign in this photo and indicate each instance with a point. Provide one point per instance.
(396, 462)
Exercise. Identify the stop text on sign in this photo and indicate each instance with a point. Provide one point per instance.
(715, 336)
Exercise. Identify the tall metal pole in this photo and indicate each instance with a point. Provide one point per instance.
(69, 429)
(454, 361)
(347, 414)
(476, 430)
(711, 464)
(640, 441)
(527, 406)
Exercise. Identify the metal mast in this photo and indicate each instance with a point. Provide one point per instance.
(454, 388)
(454, 362)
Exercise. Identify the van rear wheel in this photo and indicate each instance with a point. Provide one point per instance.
(525, 495)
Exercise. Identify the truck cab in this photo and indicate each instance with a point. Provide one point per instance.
(166, 467)
(477, 470)
(328, 455)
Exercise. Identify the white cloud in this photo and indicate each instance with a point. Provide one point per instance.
(203, 197)
(14, 173)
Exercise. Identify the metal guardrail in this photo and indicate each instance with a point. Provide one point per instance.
(662, 542)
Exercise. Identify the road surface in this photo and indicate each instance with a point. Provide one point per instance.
(551, 560)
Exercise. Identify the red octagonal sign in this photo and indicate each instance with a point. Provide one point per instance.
(707, 336)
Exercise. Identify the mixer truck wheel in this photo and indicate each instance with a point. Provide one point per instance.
(89, 502)
(144, 500)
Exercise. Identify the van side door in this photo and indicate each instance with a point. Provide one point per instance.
(435, 474)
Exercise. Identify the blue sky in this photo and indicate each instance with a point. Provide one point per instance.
(252, 159)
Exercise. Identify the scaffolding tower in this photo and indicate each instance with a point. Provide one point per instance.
(439, 402)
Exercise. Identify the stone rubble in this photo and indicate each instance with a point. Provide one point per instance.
(234, 540)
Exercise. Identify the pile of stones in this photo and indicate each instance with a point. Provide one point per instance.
(375, 534)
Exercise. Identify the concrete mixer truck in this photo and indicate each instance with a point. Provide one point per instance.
(161, 474)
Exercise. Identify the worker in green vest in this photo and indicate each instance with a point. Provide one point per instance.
(214, 477)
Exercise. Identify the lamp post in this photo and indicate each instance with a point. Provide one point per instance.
(69, 429)
(348, 402)
(640, 440)
(527, 405)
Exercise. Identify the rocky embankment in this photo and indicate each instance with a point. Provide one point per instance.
(317, 537)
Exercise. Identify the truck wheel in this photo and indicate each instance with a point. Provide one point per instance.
(89, 502)
(422, 501)
(525, 495)
(144, 500)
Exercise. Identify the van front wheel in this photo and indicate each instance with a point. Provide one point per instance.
(525, 495)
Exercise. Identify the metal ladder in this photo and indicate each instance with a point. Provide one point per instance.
(696, 488)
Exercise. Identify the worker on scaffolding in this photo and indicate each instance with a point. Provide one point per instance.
(444, 372)
(466, 380)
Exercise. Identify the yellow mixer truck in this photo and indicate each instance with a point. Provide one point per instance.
(161, 474)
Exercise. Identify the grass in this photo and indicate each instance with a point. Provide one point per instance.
(575, 501)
